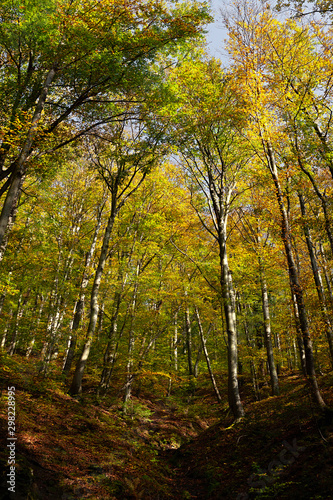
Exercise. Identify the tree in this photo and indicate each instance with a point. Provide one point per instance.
(65, 68)
(253, 234)
(248, 42)
(123, 158)
(213, 157)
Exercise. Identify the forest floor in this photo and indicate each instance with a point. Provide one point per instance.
(179, 447)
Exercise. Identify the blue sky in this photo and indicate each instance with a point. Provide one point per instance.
(216, 33)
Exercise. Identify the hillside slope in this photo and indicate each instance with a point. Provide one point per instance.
(163, 448)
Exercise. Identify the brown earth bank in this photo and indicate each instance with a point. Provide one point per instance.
(184, 446)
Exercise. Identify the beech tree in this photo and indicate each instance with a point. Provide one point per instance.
(123, 158)
(213, 156)
(66, 66)
(251, 58)
(190, 204)
(253, 233)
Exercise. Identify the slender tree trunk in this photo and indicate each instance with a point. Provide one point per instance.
(254, 375)
(2, 300)
(79, 305)
(323, 199)
(53, 311)
(230, 317)
(295, 285)
(100, 319)
(131, 343)
(58, 309)
(19, 312)
(326, 274)
(203, 340)
(56, 321)
(36, 326)
(22, 302)
(13, 193)
(268, 333)
(317, 278)
(112, 346)
(188, 331)
(299, 337)
(129, 368)
(196, 364)
(295, 352)
(289, 353)
(326, 152)
(175, 342)
(4, 336)
(219, 185)
(7, 327)
(76, 386)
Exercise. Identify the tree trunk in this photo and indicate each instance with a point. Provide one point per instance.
(326, 152)
(36, 326)
(196, 364)
(188, 331)
(129, 368)
(317, 279)
(131, 340)
(9, 211)
(327, 277)
(322, 198)
(112, 346)
(230, 317)
(295, 285)
(13, 194)
(79, 305)
(299, 337)
(54, 329)
(21, 304)
(175, 342)
(58, 308)
(76, 386)
(251, 345)
(203, 340)
(268, 333)
(2, 300)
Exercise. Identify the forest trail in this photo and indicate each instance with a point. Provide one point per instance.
(163, 448)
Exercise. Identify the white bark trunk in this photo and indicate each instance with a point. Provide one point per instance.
(76, 386)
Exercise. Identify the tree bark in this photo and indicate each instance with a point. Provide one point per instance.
(36, 326)
(220, 196)
(230, 317)
(268, 333)
(21, 305)
(328, 278)
(188, 331)
(295, 285)
(322, 197)
(317, 278)
(299, 337)
(112, 346)
(17, 177)
(76, 386)
(203, 340)
(79, 305)
(175, 342)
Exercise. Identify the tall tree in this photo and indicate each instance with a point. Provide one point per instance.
(66, 66)
(250, 48)
(123, 159)
(252, 232)
(213, 156)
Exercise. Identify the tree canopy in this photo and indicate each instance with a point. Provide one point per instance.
(166, 217)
